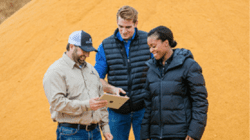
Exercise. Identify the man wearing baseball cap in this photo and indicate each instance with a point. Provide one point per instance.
(72, 87)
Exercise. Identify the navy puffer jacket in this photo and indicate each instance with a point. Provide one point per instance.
(176, 101)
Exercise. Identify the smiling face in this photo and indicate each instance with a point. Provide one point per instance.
(158, 48)
(126, 28)
(79, 56)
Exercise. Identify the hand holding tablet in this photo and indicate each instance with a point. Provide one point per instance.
(114, 101)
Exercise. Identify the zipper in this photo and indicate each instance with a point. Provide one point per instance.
(129, 70)
(129, 81)
(127, 62)
(129, 74)
(124, 56)
(160, 111)
(162, 74)
(123, 51)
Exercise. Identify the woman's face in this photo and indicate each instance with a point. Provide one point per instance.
(158, 48)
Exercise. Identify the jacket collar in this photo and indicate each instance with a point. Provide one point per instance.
(178, 58)
(152, 65)
(159, 62)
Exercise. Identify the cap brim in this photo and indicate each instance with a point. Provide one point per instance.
(88, 48)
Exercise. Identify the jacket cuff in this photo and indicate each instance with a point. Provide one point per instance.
(196, 130)
(144, 132)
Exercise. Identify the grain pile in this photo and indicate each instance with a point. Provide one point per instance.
(217, 33)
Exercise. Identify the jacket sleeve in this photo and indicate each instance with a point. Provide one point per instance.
(198, 94)
(145, 125)
(101, 65)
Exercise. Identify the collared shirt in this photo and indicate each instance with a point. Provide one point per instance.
(69, 88)
(101, 63)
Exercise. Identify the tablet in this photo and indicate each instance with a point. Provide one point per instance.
(114, 101)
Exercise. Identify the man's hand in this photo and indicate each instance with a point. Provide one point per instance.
(111, 89)
(116, 91)
(189, 138)
(95, 103)
(108, 136)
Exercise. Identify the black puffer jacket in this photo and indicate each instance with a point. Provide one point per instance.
(176, 101)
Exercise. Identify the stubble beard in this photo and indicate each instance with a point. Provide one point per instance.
(77, 59)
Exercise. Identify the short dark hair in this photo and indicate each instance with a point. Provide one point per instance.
(67, 47)
(163, 33)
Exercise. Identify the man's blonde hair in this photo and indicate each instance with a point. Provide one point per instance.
(127, 13)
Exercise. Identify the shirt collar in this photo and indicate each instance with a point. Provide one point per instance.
(118, 35)
(72, 63)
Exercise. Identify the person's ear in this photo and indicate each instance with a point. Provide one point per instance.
(166, 43)
(71, 46)
(136, 23)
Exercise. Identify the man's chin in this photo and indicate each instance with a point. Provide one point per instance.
(125, 38)
(81, 62)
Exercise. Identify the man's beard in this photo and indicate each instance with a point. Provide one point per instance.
(77, 59)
